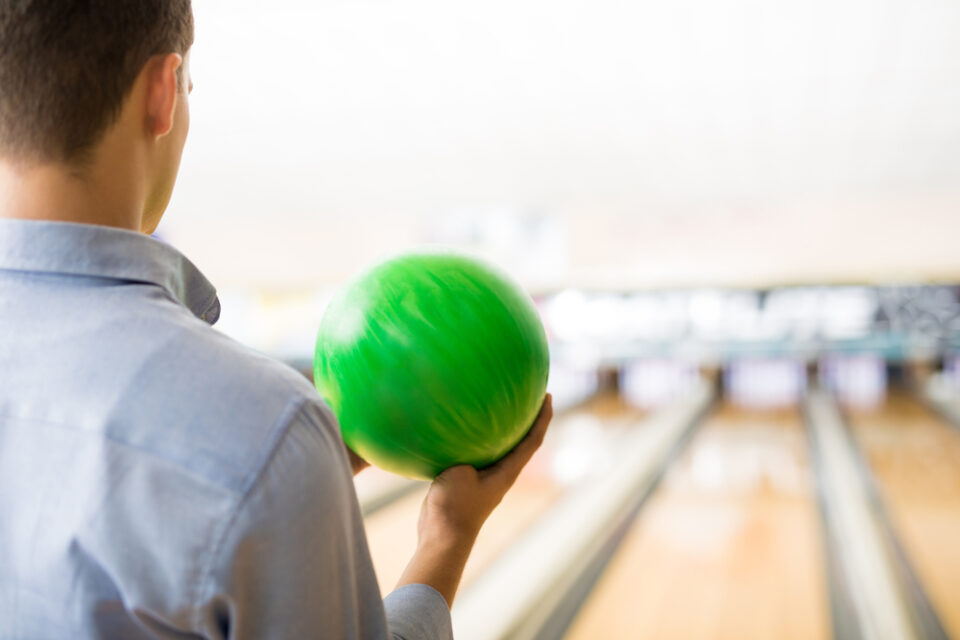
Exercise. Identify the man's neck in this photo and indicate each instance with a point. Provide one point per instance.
(100, 194)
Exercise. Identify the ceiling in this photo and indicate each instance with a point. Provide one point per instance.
(626, 144)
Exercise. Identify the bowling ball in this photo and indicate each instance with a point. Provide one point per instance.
(430, 360)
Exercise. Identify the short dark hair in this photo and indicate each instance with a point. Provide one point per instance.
(67, 66)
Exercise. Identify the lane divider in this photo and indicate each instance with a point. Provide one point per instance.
(874, 592)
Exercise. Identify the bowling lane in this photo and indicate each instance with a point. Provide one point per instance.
(729, 545)
(915, 459)
(391, 531)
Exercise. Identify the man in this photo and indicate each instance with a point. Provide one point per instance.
(156, 478)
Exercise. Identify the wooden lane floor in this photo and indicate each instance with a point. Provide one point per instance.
(729, 545)
(391, 531)
(914, 458)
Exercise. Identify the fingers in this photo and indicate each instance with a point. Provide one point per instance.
(509, 467)
(534, 438)
(357, 464)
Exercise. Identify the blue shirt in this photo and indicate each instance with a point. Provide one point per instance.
(157, 479)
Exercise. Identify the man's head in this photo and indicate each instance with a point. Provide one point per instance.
(67, 66)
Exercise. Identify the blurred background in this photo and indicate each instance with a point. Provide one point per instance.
(739, 220)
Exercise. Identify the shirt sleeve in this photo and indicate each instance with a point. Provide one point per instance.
(418, 611)
(294, 561)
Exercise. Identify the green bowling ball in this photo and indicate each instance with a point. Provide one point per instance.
(431, 360)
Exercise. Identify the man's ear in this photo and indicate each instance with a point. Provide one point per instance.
(163, 91)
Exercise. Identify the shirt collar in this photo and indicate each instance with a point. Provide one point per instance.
(106, 252)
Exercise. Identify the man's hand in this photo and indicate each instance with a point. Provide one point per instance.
(457, 504)
(461, 498)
